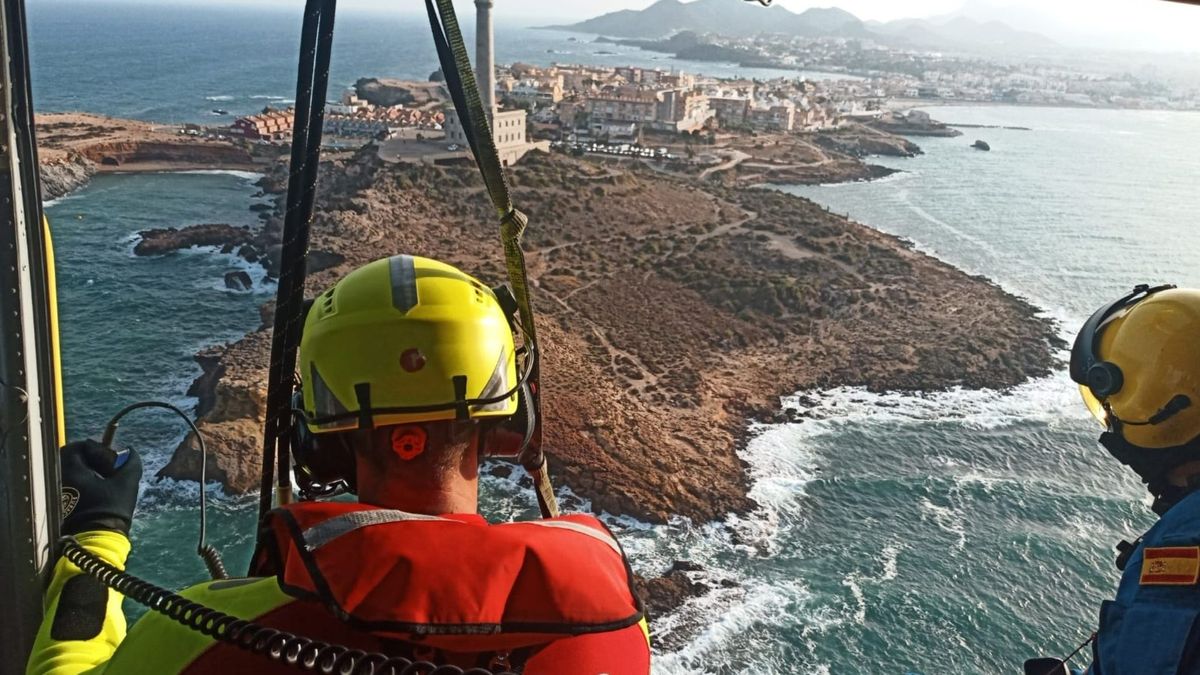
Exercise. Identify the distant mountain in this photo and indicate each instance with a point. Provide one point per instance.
(741, 19)
(726, 17)
(959, 32)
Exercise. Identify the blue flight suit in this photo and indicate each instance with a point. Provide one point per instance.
(1152, 629)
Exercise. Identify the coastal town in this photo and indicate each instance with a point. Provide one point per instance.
(674, 115)
(645, 113)
(790, 398)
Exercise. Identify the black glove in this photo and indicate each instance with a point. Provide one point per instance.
(99, 487)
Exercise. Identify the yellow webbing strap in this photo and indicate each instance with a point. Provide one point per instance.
(55, 350)
(464, 90)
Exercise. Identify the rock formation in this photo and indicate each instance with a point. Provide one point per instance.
(671, 313)
(238, 280)
(74, 146)
(160, 241)
(65, 174)
(386, 92)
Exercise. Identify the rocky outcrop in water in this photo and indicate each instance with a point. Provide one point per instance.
(231, 407)
(238, 280)
(860, 141)
(166, 240)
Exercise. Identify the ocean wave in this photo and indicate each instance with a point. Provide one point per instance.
(946, 519)
(727, 614)
(260, 282)
(264, 97)
(245, 175)
(783, 460)
(900, 175)
(222, 97)
(780, 467)
(1048, 399)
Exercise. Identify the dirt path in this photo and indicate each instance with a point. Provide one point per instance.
(735, 157)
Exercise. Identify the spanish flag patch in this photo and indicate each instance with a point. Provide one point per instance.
(1173, 566)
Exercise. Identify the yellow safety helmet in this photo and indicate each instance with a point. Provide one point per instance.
(1137, 363)
(405, 340)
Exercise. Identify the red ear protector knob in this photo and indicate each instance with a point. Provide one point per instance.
(408, 442)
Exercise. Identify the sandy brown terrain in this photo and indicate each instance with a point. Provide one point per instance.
(676, 303)
(672, 311)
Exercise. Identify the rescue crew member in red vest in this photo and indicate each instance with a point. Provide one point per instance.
(409, 368)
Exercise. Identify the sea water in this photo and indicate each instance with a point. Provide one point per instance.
(131, 327)
(960, 531)
(183, 63)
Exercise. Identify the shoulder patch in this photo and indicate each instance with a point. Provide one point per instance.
(1172, 566)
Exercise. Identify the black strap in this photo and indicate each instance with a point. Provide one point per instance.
(464, 92)
(312, 86)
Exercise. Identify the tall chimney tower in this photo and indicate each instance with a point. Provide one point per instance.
(485, 56)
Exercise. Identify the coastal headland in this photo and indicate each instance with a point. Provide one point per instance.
(675, 304)
(72, 147)
(673, 311)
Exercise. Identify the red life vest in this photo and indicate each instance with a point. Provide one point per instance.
(452, 582)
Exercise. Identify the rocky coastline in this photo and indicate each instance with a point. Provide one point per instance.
(73, 147)
(728, 298)
(676, 306)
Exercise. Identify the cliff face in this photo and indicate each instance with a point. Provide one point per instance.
(74, 146)
(670, 310)
(121, 152)
(66, 175)
(232, 397)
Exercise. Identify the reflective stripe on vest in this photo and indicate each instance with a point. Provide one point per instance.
(319, 535)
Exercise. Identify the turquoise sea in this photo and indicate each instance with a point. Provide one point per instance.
(960, 531)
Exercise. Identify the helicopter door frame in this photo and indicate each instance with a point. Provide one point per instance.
(31, 426)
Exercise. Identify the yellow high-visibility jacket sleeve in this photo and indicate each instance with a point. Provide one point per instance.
(61, 656)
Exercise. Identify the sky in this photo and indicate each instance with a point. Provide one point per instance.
(1121, 24)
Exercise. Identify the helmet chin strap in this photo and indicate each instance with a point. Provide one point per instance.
(1154, 467)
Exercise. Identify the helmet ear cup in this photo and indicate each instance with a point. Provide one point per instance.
(1105, 379)
(510, 437)
(322, 466)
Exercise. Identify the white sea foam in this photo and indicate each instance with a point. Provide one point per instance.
(896, 177)
(259, 281)
(244, 175)
(782, 462)
(223, 97)
(263, 97)
(1048, 399)
(780, 468)
(726, 615)
(946, 519)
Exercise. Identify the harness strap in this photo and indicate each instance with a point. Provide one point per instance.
(312, 85)
(464, 92)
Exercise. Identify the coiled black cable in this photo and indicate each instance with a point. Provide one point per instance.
(299, 652)
(210, 555)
